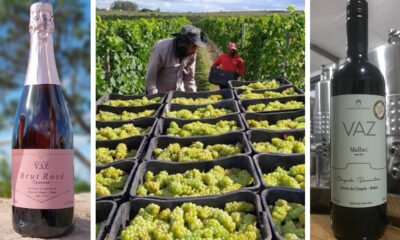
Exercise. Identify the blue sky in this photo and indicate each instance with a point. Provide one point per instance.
(210, 5)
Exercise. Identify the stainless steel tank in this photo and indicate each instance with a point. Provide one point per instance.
(320, 144)
(321, 128)
(387, 59)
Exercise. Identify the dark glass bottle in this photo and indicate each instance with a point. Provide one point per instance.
(42, 174)
(358, 183)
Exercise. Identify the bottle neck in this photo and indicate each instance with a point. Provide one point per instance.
(42, 65)
(357, 36)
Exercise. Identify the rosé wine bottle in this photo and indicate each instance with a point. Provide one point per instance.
(42, 145)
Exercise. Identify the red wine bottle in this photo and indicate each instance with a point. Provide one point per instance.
(42, 146)
(358, 167)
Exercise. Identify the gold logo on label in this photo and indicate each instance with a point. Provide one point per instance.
(379, 110)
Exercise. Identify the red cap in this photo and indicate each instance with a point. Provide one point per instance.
(232, 46)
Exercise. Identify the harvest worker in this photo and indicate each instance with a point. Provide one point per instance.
(172, 61)
(231, 65)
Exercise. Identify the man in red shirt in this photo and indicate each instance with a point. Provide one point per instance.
(230, 62)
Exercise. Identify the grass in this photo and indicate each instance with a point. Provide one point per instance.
(5, 179)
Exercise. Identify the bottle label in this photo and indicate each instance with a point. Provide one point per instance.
(43, 178)
(358, 168)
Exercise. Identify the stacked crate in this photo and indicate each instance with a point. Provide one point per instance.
(128, 202)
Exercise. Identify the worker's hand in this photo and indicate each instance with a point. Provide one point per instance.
(152, 90)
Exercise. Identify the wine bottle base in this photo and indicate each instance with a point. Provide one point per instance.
(358, 223)
(43, 231)
(43, 223)
(359, 238)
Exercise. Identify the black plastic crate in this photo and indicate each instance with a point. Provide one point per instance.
(118, 110)
(236, 83)
(147, 122)
(127, 166)
(266, 136)
(105, 212)
(115, 96)
(270, 196)
(244, 104)
(228, 138)
(266, 163)
(272, 118)
(128, 210)
(227, 104)
(226, 94)
(136, 142)
(280, 89)
(242, 162)
(163, 124)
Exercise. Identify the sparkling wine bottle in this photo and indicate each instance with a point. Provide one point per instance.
(358, 167)
(42, 146)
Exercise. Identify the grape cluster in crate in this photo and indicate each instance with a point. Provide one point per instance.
(225, 164)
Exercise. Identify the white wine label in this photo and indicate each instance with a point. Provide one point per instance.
(358, 139)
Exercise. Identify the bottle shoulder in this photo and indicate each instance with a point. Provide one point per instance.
(358, 69)
(42, 119)
(358, 77)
